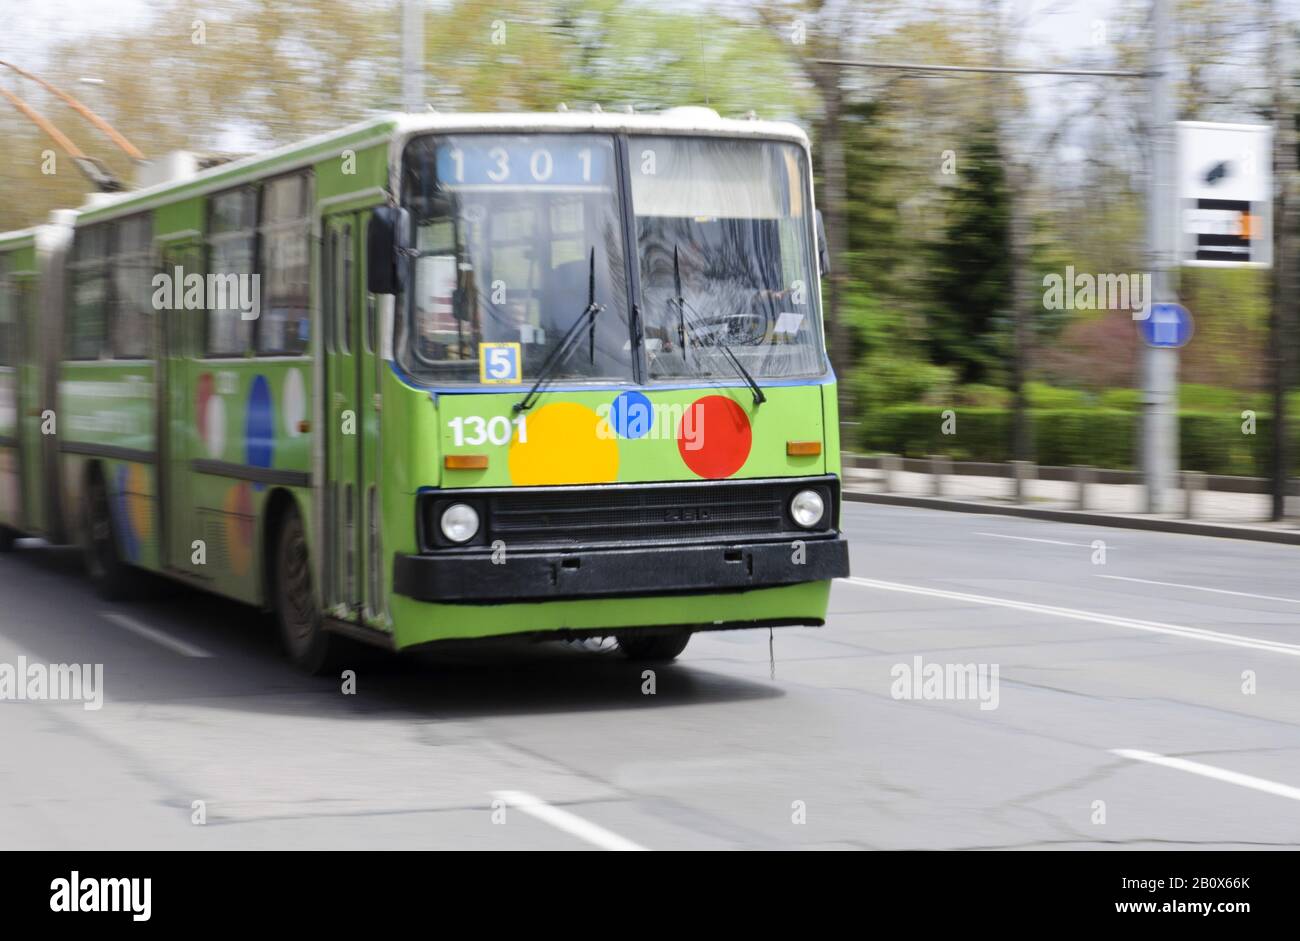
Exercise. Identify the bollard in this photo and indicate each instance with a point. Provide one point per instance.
(1022, 472)
(890, 465)
(1083, 475)
(1193, 484)
(939, 467)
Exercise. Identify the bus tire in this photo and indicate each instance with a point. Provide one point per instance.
(8, 539)
(651, 647)
(112, 576)
(308, 645)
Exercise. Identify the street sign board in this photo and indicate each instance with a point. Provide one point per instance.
(1225, 193)
(1169, 325)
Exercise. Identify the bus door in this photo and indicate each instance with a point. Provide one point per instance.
(178, 421)
(352, 562)
(30, 408)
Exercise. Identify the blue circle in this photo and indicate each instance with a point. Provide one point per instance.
(259, 425)
(631, 415)
(125, 528)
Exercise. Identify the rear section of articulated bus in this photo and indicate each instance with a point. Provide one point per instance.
(31, 291)
(17, 281)
(609, 409)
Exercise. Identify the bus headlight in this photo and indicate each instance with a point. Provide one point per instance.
(459, 522)
(807, 508)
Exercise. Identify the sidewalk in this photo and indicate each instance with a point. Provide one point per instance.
(1232, 515)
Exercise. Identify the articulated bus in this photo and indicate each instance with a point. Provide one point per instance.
(439, 377)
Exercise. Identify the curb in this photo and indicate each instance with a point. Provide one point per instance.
(1151, 524)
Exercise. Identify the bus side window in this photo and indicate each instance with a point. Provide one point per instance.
(232, 235)
(132, 306)
(8, 315)
(344, 270)
(90, 293)
(284, 327)
(372, 329)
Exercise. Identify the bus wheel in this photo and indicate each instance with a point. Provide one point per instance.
(311, 648)
(8, 538)
(637, 646)
(114, 579)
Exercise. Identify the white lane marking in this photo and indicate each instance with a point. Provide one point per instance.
(1052, 542)
(173, 644)
(1209, 771)
(1217, 591)
(569, 823)
(1154, 627)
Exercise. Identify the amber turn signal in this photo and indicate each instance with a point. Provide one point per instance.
(465, 462)
(803, 448)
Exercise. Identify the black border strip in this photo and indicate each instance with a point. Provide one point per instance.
(111, 451)
(258, 475)
(792, 480)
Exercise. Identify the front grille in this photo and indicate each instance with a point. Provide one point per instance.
(718, 511)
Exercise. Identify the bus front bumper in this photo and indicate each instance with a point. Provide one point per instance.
(490, 578)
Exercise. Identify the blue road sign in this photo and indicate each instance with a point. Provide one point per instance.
(1168, 325)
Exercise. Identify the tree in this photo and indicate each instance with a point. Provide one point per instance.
(971, 273)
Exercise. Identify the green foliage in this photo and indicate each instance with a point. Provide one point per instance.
(983, 434)
(1041, 395)
(1099, 437)
(896, 379)
(1195, 397)
(970, 280)
(269, 72)
(1202, 398)
(1128, 399)
(1212, 442)
(982, 395)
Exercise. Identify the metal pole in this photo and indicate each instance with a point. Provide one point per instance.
(1160, 366)
(412, 55)
(1281, 324)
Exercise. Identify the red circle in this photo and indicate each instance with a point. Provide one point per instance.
(203, 393)
(714, 437)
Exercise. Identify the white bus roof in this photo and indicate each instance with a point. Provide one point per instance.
(398, 127)
(684, 120)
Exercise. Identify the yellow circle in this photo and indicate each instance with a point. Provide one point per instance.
(238, 528)
(139, 501)
(564, 443)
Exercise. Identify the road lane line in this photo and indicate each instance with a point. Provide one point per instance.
(571, 824)
(1075, 614)
(1052, 542)
(173, 644)
(1209, 771)
(1217, 591)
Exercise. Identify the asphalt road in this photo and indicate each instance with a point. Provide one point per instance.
(1111, 688)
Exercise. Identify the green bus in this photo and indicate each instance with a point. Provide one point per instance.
(442, 376)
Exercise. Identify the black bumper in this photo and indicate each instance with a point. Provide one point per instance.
(473, 578)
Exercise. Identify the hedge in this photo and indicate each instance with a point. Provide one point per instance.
(1212, 442)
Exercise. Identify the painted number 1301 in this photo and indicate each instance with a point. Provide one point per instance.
(475, 430)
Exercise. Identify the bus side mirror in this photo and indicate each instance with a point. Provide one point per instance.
(823, 253)
(387, 244)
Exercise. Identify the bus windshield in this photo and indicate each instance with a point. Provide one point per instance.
(510, 230)
(728, 222)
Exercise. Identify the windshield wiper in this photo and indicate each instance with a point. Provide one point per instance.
(568, 341)
(728, 354)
